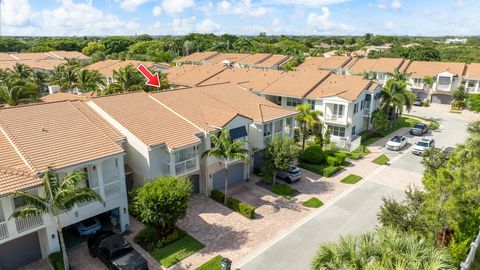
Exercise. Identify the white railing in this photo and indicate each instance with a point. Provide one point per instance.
(186, 166)
(27, 223)
(3, 230)
(366, 111)
(443, 87)
(465, 265)
(335, 118)
(112, 189)
(417, 85)
(97, 190)
(346, 144)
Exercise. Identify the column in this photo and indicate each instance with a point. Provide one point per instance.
(172, 164)
(98, 168)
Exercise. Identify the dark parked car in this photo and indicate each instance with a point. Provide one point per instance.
(115, 252)
(448, 152)
(418, 102)
(419, 129)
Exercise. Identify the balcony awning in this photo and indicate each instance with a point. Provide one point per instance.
(239, 132)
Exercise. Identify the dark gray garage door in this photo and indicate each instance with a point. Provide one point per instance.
(441, 99)
(235, 174)
(19, 252)
(195, 179)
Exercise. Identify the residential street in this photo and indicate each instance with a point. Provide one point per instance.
(355, 211)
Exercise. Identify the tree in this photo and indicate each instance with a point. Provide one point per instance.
(58, 197)
(226, 150)
(14, 91)
(21, 70)
(460, 97)
(40, 78)
(428, 82)
(379, 120)
(65, 76)
(473, 102)
(126, 79)
(396, 95)
(162, 201)
(307, 118)
(279, 154)
(93, 47)
(387, 248)
(434, 159)
(89, 80)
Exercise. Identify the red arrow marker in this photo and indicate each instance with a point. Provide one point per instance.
(152, 78)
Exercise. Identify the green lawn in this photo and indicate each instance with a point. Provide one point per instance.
(355, 153)
(381, 160)
(212, 264)
(351, 179)
(177, 251)
(320, 168)
(432, 124)
(398, 123)
(313, 203)
(284, 190)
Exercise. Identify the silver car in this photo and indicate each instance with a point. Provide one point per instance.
(292, 175)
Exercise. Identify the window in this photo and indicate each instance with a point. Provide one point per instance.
(417, 80)
(312, 102)
(267, 129)
(2, 217)
(278, 126)
(293, 102)
(337, 131)
(338, 109)
(185, 154)
(471, 84)
(353, 130)
(444, 80)
(19, 202)
(361, 105)
(380, 76)
(355, 108)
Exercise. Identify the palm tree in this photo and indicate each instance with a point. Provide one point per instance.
(66, 77)
(22, 70)
(387, 248)
(398, 75)
(428, 82)
(40, 78)
(126, 79)
(226, 150)
(58, 197)
(15, 90)
(395, 96)
(368, 75)
(308, 119)
(243, 45)
(89, 80)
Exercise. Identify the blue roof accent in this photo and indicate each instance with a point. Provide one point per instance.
(239, 132)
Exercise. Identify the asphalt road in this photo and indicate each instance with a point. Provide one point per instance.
(356, 211)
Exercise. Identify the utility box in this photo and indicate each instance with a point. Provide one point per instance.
(226, 264)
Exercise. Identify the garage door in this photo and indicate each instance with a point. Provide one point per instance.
(441, 99)
(195, 180)
(29, 248)
(235, 174)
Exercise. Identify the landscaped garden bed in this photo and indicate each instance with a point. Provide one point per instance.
(351, 179)
(381, 160)
(400, 122)
(212, 264)
(236, 205)
(325, 163)
(313, 203)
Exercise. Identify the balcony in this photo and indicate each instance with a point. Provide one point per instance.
(443, 87)
(417, 85)
(113, 188)
(3, 230)
(186, 166)
(27, 223)
(336, 119)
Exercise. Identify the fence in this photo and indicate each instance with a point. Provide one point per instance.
(347, 145)
(465, 265)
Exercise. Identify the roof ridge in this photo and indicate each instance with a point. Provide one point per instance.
(32, 104)
(17, 150)
(317, 84)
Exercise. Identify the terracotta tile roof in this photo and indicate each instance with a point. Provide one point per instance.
(33, 56)
(296, 83)
(48, 64)
(473, 71)
(375, 65)
(197, 75)
(252, 106)
(98, 121)
(346, 87)
(205, 112)
(404, 65)
(274, 60)
(255, 59)
(6, 57)
(230, 57)
(106, 68)
(197, 57)
(14, 180)
(252, 79)
(54, 134)
(60, 97)
(69, 55)
(176, 71)
(325, 63)
(149, 121)
(89, 94)
(420, 69)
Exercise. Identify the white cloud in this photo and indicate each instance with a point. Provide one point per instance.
(207, 26)
(131, 5)
(389, 25)
(242, 7)
(396, 4)
(323, 24)
(157, 11)
(15, 12)
(311, 3)
(172, 7)
(460, 3)
(276, 22)
(183, 26)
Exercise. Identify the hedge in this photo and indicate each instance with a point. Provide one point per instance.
(242, 208)
(56, 260)
(330, 170)
(341, 157)
(332, 161)
(313, 154)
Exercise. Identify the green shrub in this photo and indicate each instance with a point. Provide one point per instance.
(296, 135)
(341, 157)
(313, 154)
(330, 170)
(284, 190)
(267, 176)
(243, 208)
(147, 238)
(217, 195)
(56, 260)
(177, 234)
(313, 203)
(333, 161)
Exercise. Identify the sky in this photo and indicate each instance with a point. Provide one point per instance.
(241, 17)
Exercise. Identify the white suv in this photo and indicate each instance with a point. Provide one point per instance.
(422, 145)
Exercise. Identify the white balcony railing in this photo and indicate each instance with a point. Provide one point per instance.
(27, 223)
(112, 189)
(186, 166)
(332, 118)
(443, 87)
(3, 230)
(417, 85)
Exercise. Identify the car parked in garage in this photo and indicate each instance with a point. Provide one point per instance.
(421, 146)
(293, 174)
(419, 129)
(88, 226)
(115, 252)
(396, 143)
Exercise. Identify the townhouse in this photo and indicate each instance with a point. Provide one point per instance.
(377, 69)
(46, 61)
(447, 76)
(165, 135)
(191, 75)
(265, 61)
(66, 136)
(471, 78)
(332, 63)
(257, 60)
(108, 67)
